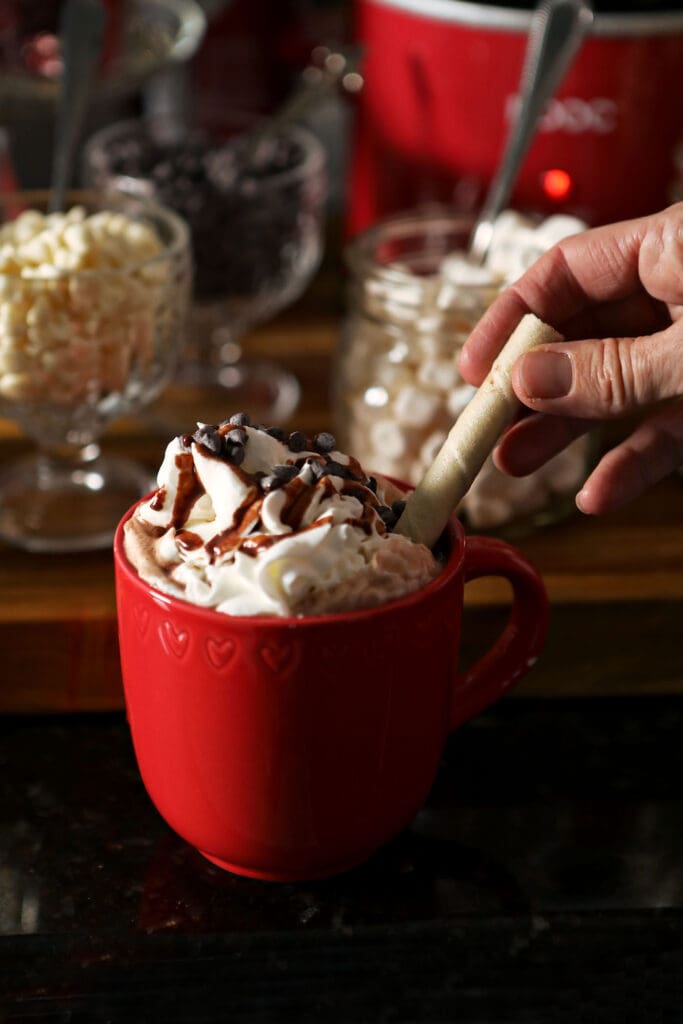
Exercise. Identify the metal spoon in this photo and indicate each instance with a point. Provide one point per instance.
(81, 31)
(557, 31)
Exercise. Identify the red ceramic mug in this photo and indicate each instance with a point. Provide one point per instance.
(291, 748)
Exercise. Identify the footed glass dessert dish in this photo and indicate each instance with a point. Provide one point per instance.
(253, 196)
(92, 307)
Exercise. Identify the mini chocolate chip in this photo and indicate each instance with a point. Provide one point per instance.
(240, 419)
(278, 477)
(237, 213)
(324, 442)
(317, 468)
(285, 472)
(236, 454)
(397, 507)
(336, 469)
(386, 515)
(297, 441)
(236, 436)
(210, 438)
(371, 484)
(272, 482)
(186, 441)
(276, 432)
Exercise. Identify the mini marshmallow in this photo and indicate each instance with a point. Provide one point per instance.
(457, 269)
(431, 446)
(387, 439)
(394, 378)
(437, 345)
(399, 353)
(54, 328)
(555, 228)
(416, 407)
(458, 399)
(438, 374)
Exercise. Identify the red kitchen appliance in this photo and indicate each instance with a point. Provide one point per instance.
(441, 79)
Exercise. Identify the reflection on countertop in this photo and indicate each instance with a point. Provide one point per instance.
(554, 831)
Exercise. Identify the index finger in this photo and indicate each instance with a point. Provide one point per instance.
(583, 271)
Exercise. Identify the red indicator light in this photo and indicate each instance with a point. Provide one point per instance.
(556, 183)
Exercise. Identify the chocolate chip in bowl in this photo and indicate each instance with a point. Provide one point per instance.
(253, 197)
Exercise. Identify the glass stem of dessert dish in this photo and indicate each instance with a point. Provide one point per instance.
(66, 496)
(216, 372)
(92, 303)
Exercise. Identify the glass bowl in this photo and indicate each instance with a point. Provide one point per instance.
(398, 389)
(253, 195)
(82, 343)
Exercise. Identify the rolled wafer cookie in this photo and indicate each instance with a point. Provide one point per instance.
(471, 439)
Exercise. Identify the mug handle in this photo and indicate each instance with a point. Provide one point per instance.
(521, 641)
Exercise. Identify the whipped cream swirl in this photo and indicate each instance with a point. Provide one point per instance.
(249, 521)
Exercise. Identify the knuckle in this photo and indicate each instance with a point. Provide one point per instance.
(661, 255)
(673, 215)
(615, 379)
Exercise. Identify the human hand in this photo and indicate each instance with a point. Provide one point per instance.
(616, 295)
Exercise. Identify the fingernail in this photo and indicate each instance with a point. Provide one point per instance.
(546, 374)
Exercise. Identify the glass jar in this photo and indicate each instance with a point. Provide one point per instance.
(397, 387)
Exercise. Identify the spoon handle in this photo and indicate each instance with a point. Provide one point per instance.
(557, 30)
(81, 32)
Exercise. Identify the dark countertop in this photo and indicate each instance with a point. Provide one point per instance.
(543, 881)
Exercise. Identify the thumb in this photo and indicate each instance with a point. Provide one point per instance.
(601, 378)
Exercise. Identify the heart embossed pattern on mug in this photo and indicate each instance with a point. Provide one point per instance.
(219, 651)
(174, 641)
(278, 656)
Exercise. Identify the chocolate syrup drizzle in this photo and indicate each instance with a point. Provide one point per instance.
(242, 534)
(189, 490)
